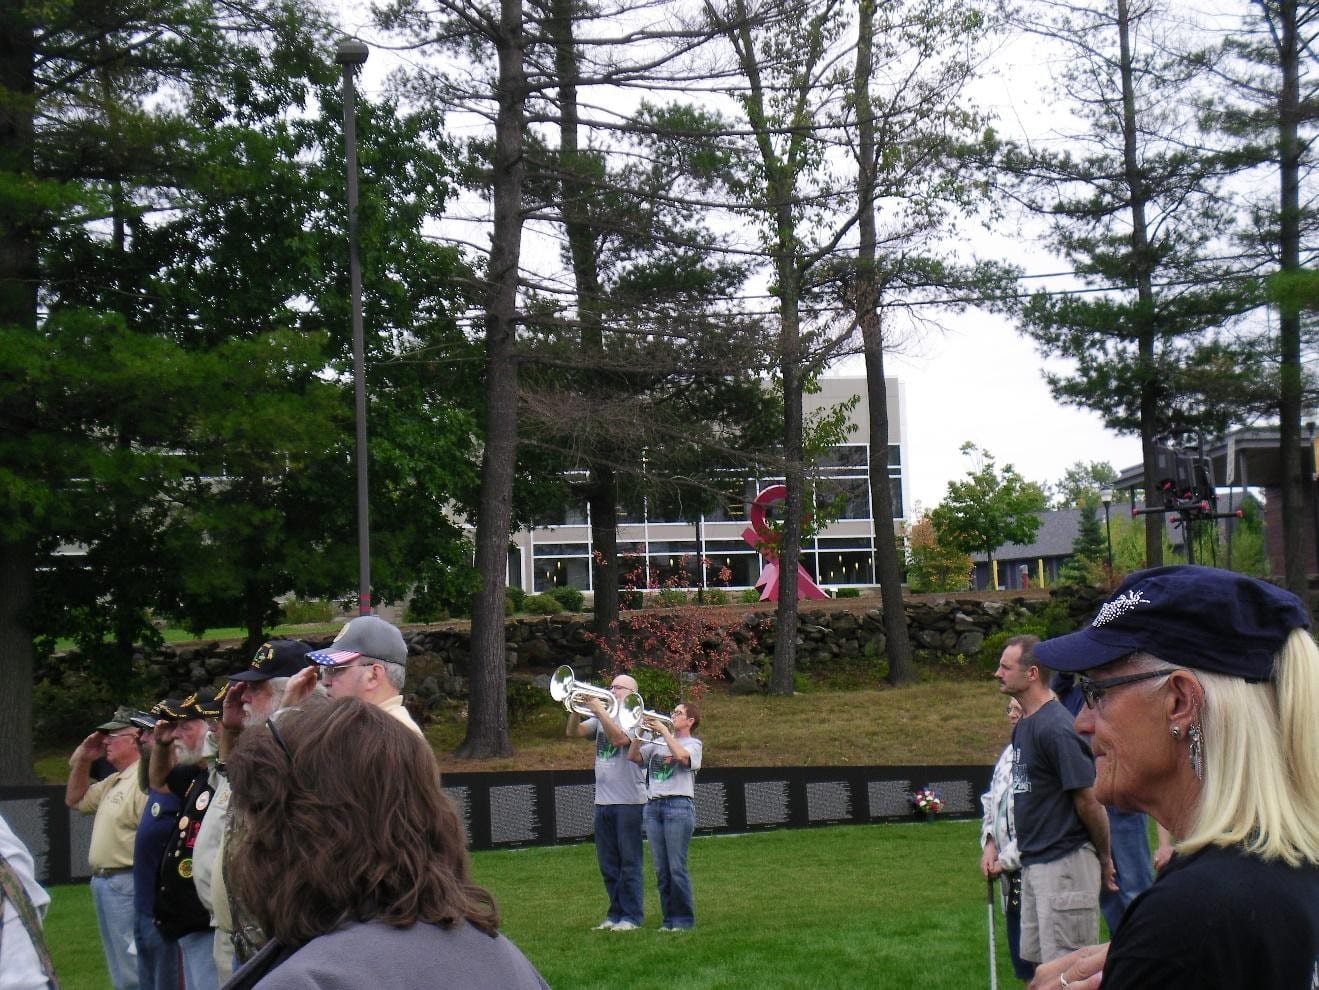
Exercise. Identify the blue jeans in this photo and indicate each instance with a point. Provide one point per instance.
(670, 823)
(618, 848)
(157, 956)
(1129, 839)
(116, 916)
(199, 971)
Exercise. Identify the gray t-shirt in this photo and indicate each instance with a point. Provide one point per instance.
(617, 779)
(382, 957)
(665, 775)
(1050, 763)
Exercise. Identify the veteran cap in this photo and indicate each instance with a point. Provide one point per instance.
(275, 658)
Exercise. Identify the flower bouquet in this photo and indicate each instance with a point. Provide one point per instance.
(927, 801)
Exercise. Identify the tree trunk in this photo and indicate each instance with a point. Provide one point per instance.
(18, 307)
(897, 640)
(603, 500)
(1296, 545)
(1143, 268)
(487, 723)
(16, 662)
(602, 495)
(794, 474)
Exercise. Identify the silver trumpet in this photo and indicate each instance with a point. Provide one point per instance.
(575, 696)
(644, 731)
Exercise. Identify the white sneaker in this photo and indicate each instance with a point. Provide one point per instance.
(604, 926)
(625, 926)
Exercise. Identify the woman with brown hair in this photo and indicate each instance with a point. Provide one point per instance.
(353, 860)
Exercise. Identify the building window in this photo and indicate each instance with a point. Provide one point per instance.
(852, 496)
(558, 565)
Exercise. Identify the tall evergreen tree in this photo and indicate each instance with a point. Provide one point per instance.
(1138, 212)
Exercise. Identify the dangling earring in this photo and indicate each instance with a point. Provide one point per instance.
(1195, 736)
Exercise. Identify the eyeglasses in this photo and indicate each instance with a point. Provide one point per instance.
(329, 673)
(120, 735)
(279, 740)
(1094, 691)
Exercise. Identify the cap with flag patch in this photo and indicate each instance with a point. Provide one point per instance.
(365, 636)
(276, 658)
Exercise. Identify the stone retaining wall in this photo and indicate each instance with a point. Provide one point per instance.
(843, 630)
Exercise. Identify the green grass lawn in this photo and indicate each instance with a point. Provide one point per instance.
(872, 906)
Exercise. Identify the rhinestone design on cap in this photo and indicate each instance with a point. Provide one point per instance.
(1119, 606)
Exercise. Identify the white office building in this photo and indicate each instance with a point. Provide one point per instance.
(840, 555)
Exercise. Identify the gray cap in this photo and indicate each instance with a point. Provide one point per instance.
(365, 636)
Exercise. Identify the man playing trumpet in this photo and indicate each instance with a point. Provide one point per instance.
(620, 796)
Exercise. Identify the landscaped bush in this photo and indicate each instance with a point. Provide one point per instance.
(716, 596)
(524, 700)
(515, 596)
(69, 710)
(423, 612)
(848, 593)
(658, 688)
(302, 611)
(541, 605)
(671, 597)
(570, 598)
(1054, 619)
(749, 596)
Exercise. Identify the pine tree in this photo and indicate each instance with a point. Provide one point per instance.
(1089, 549)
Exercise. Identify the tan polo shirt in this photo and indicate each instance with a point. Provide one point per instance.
(118, 802)
(394, 706)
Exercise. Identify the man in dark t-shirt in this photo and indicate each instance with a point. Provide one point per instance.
(1062, 830)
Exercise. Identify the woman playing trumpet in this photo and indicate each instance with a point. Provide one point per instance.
(671, 763)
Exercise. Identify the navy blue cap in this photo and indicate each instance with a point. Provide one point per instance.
(276, 658)
(1199, 617)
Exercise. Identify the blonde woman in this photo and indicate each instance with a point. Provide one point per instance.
(1202, 709)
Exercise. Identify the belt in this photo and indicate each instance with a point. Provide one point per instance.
(112, 872)
(671, 797)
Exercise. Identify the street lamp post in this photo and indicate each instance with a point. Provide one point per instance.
(351, 55)
(1106, 496)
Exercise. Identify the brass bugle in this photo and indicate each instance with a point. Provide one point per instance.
(575, 696)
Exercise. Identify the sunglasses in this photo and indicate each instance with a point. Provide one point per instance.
(329, 673)
(1094, 691)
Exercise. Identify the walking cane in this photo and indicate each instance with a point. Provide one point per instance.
(993, 948)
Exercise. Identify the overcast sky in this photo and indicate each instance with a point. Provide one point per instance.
(979, 380)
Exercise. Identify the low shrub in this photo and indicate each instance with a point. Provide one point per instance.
(658, 688)
(304, 611)
(67, 711)
(524, 701)
(749, 596)
(671, 597)
(716, 596)
(421, 612)
(847, 593)
(570, 598)
(515, 596)
(541, 605)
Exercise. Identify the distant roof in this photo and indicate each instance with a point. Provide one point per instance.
(1055, 537)
(1255, 458)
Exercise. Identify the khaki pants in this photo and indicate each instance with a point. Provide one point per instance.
(1060, 905)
